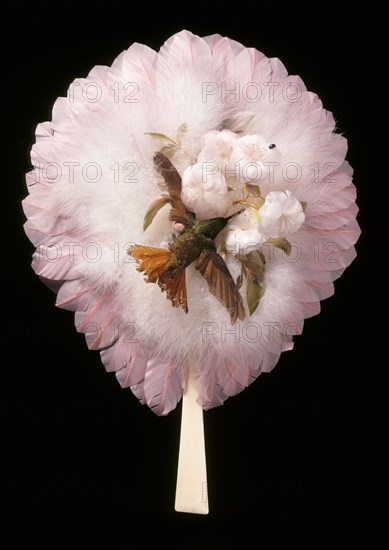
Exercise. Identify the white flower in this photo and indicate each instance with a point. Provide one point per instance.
(248, 157)
(243, 235)
(281, 214)
(218, 147)
(205, 191)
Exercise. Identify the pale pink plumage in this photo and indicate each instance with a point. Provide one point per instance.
(141, 338)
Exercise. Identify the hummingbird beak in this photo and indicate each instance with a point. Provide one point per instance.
(235, 214)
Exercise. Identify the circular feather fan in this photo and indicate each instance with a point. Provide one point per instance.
(192, 206)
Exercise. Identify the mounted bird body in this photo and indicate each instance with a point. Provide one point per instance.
(194, 244)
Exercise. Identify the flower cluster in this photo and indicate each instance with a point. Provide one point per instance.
(227, 175)
(224, 181)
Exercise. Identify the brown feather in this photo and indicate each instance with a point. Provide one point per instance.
(179, 213)
(170, 175)
(220, 282)
(175, 288)
(152, 261)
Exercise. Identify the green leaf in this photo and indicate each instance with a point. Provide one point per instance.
(282, 243)
(254, 263)
(239, 281)
(253, 268)
(153, 210)
(254, 293)
(253, 190)
(181, 132)
(220, 248)
(169, 151)
(155, 135)
(255, 214)
(238, 122)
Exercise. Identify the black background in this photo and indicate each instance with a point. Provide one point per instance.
(83, 460)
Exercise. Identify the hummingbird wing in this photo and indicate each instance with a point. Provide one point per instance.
(175, 288)
(178, 213)
(220, 282)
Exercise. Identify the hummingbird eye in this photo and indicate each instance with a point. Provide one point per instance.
(272, 146)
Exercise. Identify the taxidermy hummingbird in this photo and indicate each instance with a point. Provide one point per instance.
(194, 244)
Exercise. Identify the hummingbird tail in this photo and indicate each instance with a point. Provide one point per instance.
(151, 261)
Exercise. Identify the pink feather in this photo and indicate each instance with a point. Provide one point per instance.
(139, 336)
